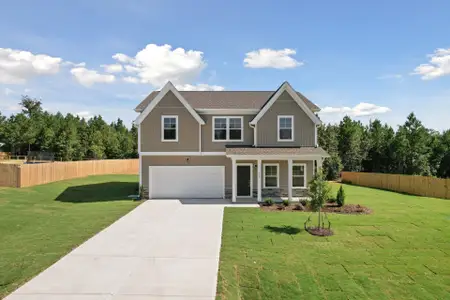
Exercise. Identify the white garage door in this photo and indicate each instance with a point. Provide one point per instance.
(186, 182)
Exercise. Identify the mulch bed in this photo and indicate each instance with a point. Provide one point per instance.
(320, 231)
(353, 209)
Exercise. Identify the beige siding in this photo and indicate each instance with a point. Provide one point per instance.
(207, 136)
(268, 125)
(148, 161)
(188, 127)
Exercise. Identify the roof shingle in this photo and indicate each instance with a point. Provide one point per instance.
(224, 99)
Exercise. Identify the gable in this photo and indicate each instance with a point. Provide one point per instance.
(282, 94)
(169, 89)
(170, 100)
(286, 105)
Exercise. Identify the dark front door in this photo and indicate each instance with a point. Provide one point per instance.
(243, 181)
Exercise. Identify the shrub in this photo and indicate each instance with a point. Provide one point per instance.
(331, 200)
(303, 202)
(286, 202)
(340, 197)
(268, 201)
(141, 192)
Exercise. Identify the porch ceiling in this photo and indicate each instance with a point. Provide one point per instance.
(256, 151)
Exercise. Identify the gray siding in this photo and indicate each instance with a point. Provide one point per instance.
(188, 128)
(303, 126)
(207, 136)
(148, 161)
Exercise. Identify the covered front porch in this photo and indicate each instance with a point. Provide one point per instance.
(276, 173)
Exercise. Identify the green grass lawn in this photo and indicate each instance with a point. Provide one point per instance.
(38, 225)
(401, 251)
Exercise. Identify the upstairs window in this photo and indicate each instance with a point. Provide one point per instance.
(285, 128)
(169, 127)
(228, 129)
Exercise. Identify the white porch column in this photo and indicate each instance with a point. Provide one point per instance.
(234, 180)
(290, 179)
(258, 177)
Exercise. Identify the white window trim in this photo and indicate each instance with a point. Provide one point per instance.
(278, 128)
(227, 128)
(163, 117)
(304, 175)
(264, 176)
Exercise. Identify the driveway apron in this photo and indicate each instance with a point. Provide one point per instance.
(163, 249)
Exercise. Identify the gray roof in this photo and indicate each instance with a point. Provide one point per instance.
(224, 99)
(276, 151)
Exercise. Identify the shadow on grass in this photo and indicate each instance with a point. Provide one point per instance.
(99, 192)
(283, 229)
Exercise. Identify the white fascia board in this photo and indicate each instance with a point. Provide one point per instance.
(275, 157)
(168, 87)
(286, 87)
(182, 153)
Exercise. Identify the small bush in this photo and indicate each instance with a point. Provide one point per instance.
(141, 192)
(303, 202)
(268, 202)
(340, 197)
(331, 200)
(286, 202)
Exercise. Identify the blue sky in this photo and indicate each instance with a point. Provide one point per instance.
(382, 59)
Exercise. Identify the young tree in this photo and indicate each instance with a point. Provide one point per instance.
(319, 191)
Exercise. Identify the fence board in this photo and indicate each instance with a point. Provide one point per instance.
(12, 175)
(410, 184)
(9, 175)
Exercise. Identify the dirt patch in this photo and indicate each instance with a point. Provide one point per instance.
(353, 209)
(320, 231)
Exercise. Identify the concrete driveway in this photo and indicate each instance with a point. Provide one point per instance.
(163, 249)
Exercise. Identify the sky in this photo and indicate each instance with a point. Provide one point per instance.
(378, 59)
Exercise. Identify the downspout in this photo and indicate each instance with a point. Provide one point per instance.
(200, 138)
(255, 142)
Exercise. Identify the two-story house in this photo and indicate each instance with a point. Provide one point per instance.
(227, 144)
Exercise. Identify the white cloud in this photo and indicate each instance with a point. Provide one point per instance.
(269, 58)
(85, 115)
(113, 68)
(361, 109)
(158, 64)
(88, 77)
(17, 66)
(391, 76)
(199, 87)
(439, 65)
(131, 79)
(72, 64)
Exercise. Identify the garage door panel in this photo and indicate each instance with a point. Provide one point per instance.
(187, 182)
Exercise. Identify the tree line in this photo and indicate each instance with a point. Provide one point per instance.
(411, 149)
(353, 146)
(67, 137)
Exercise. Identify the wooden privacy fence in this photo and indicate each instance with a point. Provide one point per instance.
(410, 184)
(35, 174)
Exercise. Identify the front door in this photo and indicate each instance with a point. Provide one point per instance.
(244, 180)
